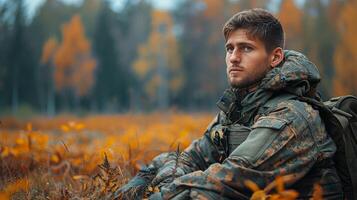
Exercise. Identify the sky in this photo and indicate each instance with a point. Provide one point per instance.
(32, 5)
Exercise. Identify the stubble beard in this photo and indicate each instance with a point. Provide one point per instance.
(248, 82)
(243, 84)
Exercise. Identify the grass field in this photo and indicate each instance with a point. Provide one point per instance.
(66, 157)
(59, 158)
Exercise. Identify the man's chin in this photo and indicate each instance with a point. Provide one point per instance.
(234, 84)
(239, 84)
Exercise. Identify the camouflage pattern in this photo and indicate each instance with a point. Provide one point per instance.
(137, 187)
(286, 137)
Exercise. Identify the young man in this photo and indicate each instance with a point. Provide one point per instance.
(262, 130)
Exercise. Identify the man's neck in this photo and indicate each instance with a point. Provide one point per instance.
(242, 92)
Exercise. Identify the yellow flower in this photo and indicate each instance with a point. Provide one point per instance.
(64, 128)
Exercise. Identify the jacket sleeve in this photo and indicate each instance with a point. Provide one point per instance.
(198, 156)
(285, 141)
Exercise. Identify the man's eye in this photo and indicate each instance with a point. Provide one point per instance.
(247, 49)
(229, 49)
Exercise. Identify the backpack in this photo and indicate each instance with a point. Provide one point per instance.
(340, 117)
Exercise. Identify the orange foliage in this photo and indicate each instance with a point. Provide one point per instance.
(160, 49)
(317, 195)
(281, 192)
(74, 66)
(49, 49)
(213, 8)
(345, 57)
(216, 13)
(22, 184)
(290, 17)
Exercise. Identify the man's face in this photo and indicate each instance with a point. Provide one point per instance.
(246, 58)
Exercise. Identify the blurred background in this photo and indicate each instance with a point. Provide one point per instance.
(119, 56)
(87, 81)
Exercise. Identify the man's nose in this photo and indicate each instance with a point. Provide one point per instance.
(235, 57)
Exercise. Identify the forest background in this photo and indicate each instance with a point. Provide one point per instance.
(92, 90)
(98, 56)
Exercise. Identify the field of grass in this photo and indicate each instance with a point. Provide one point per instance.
(63, 157)
(66, 157)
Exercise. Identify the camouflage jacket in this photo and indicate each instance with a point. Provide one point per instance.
(286, 136)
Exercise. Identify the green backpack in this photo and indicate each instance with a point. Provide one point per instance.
(340, 117)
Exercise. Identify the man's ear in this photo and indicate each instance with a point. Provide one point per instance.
(276, 56)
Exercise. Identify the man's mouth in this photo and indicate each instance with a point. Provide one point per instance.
(235, 69)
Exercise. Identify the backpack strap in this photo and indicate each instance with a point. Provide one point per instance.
(342, 116)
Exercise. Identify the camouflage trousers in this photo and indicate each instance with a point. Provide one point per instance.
(323, 174)
(148, 187)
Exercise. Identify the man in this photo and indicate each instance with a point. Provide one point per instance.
(262, 131)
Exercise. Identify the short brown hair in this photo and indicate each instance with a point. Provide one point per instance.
(259, 23)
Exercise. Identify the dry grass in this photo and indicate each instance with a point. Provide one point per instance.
(63, 157)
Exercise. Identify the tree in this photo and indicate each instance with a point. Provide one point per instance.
(158, 65)
(111, 88)
(48, 51)
(290, 17)
(45, 24)
(74, 66)
(4, 30)
(202, 48)
(319, 40)
(19, 64)
(345, 57)
(246, 4)
(89, 11)
(132, 28)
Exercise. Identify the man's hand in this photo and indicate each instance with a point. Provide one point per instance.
(136, 187)
(167, 175)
